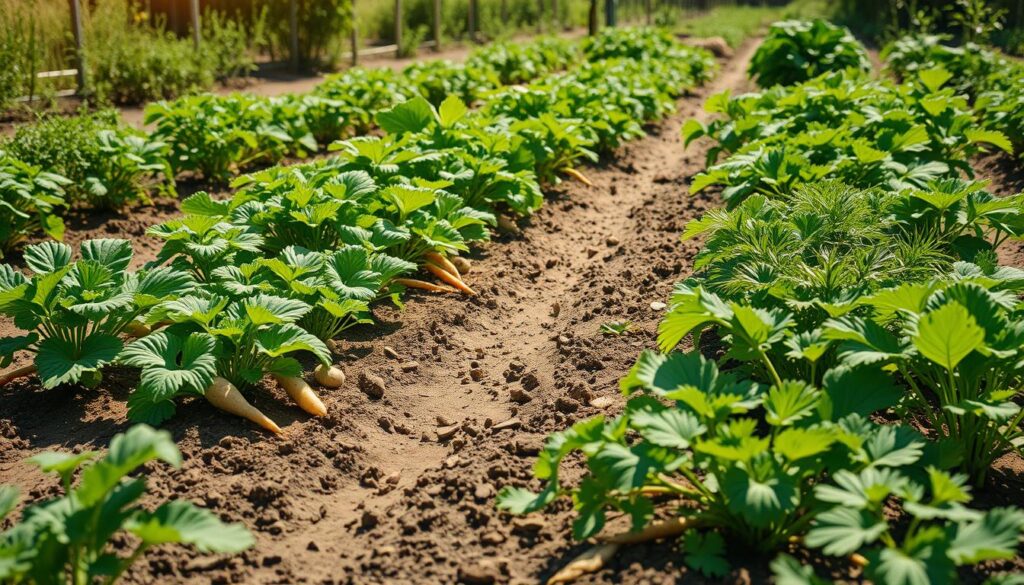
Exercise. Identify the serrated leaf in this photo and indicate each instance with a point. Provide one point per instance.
(181, 522)
(947, 335)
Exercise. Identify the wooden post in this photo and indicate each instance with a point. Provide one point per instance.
(76, 28)
(649, 8)
(610, 7)
(355, 36)
(540, 17)
(556, 17)
(398, 28)
(471, 14)
(197, 34)
(437, 25)
(293, 33)
(504, 10)
(592, 18)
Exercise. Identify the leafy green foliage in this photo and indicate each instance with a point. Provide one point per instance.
(74, 310)
(69, 539)
(796, 50)
(29, 198)
(109, 165)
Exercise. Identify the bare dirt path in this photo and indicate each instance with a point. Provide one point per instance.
(401, 489)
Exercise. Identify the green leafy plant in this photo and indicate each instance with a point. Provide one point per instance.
(797, 50)
(615, 327)
(71, 538)
(29, 198)
(73, 311)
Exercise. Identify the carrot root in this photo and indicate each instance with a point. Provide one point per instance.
(443, 263)
(449, 278)
(17, 373)
(423, 285)
(226, 397)
(575, 174)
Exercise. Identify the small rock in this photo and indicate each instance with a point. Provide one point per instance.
(551, 263)
(385, 423)
(566, 405)
(369, 520)
(492, 538)
(591, 252)
(612, 241)
(452, 461)
(390, 352)
(483, 491)
(532, 523)
(530, 381)
(410, 366)
(445, 433)
(313, 546)
(511, 423)
(371, 385)
(271, 560)
(556, 308)
(461, 264)
(442, 421)
(506, 225)
(602, 402)
(477, 374)
(482, 572)
(520, 395)
(658, 306)
(393, 478)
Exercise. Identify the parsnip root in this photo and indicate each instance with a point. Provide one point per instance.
(598, 556)
(578, 176)
(16, 373)
(303, 395)
(329, 376)
(423, 285)
(226, 397)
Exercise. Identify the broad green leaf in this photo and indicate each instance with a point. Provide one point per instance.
(947, 335)
(181, 522)
(797, 443)
(452, 110)
(841, 531)
(994, 536)
(705, 552)
(794, 400)
(60, 362)
(47, 257)
(407, 117)
(993, 137)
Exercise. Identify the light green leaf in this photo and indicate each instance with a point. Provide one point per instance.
(948, 334)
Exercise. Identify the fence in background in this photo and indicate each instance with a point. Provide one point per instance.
(549, 19)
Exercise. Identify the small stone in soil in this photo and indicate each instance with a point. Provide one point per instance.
(602, 402)
(371, 385)
(520, 395)
(658, 306)
(390, 352)
(410, 366)
(511, 423)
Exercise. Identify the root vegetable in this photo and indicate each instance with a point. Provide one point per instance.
(596, 557)
(424, 285)
(578, 176)
(17, 373)
(226, 397)
(303, 395)
(329, 376)
(462, 265)
(449, 278)
(444, 263)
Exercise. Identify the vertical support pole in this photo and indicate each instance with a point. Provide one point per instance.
(540, 17)
(355, 36)
(293, 33)
(610, 7)
(76, 29)
(649, 8)
(197, 34)
(556, 17)
(592, 18)
(471, 15)
(504, 10)
(398, 28)
(437, 25)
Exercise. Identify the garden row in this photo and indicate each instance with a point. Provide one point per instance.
(857, 351)
(93, 160)
(245, 287)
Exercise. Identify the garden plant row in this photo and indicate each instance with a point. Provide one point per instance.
(253, 285)
(857, 352)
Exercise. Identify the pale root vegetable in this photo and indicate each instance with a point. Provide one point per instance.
(16, 373)
(449, 278)
(596, 557)
(578, 176)
(226, 397)
(329, 376)
(423, 285)
(303, 395)
(507, 225)
(442, 262)
(462, 265)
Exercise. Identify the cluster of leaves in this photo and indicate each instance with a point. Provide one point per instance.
(795, 51)
(840, 126)
(992, 81)
(69, 539)
(29, 199)
(517, 63)
(109, 165)
(849, 316)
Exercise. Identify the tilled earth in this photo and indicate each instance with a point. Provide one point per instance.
(446, 401)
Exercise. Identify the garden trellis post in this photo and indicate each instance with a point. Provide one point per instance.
(471, 15)
(293, 32)
(437, 25)
(76, 28)
(610, 8)
(196, 31)
(592, 18)
(355, 36)
(398, 28)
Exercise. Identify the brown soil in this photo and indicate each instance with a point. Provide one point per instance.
(401, 489)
